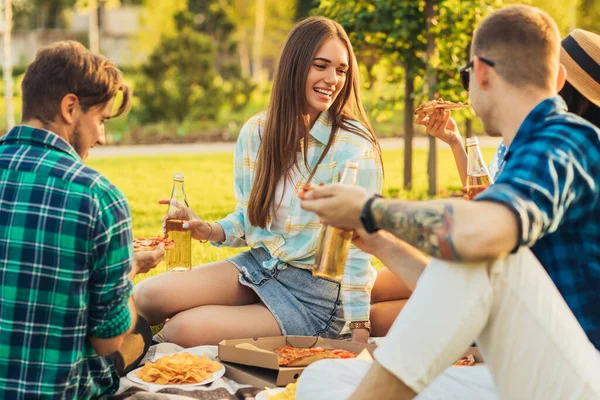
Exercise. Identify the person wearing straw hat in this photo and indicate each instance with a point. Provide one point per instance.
(580, 56)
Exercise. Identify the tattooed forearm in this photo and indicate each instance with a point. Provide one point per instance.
(428, 228)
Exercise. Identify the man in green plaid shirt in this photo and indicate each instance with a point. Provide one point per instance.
(66, 254)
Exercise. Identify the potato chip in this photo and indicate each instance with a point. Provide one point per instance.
(288, 394)
(178, 369)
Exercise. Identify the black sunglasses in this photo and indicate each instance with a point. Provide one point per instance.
(465, 71)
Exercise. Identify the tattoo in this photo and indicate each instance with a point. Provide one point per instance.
(427, 228)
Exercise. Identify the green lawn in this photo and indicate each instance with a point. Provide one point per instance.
(209, 187)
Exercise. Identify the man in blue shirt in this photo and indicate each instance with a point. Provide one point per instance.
(483, 281)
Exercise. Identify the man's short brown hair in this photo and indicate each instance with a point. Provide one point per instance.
(68, 67)
(524, 44)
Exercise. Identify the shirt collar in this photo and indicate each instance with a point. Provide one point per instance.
(31, 135)
(321, 130)
(539, 114)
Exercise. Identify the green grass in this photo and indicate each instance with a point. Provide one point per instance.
(209, 187)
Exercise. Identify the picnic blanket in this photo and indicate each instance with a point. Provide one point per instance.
(221, 389)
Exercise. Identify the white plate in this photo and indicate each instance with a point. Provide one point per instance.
(264, 395)
(132, 376)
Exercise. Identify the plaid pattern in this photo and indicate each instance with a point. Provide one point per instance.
(551, 181)
(298, 245)
(65, 252)
(497, 162)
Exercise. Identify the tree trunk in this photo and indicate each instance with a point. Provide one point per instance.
(7, 67)
(469, 127)
(431, 78)
(94, 30)
(409, 88)
(244, 53)
(259, 30)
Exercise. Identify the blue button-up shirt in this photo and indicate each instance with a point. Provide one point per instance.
(551, 181)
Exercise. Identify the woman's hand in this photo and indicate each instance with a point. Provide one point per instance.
(440, 125)
(337, 204)
(201, 230)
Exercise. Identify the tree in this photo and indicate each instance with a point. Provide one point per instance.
(180, 80)
(156, 20)
(588, 15)
(259, 53)
(303, 8)
(400, 31)
(374, 28)
(431, 59)
(7, 70)
(214, 18)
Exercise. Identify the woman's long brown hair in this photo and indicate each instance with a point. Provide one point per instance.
(287, 117)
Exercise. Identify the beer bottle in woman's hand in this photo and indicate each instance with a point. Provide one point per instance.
(478, 176)
(178, 258)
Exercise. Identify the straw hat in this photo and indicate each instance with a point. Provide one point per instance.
(580, 54)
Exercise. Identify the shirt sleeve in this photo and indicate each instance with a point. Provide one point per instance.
(234, 224)
(112, 250)
(542, 180)
(359, 275)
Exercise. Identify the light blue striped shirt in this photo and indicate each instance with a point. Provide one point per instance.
(298, 243)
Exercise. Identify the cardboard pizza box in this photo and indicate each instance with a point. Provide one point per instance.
(239, 360)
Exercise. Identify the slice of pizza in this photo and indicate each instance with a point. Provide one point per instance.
(151, 243)
(302, 357)
(440, 104)
(467, 361)
(344, 353)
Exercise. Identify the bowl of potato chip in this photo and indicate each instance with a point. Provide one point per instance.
(179, 369)
(286, 393)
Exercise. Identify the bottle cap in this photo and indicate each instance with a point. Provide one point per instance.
(178, 176)
(472, 141)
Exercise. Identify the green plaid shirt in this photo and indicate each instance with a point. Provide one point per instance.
(65, 254)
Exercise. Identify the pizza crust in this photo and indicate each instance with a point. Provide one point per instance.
(439, 104)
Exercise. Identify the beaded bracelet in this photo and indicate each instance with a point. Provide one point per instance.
(209, 235)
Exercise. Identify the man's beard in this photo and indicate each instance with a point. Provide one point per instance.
(76, 141)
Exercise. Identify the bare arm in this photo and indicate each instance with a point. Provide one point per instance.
(441, 125)
(454, 230)
(460, 157)
(105, 347)
(404, 261)
(201, 230)
(451, 230)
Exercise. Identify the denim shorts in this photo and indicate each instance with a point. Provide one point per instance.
(301, 303)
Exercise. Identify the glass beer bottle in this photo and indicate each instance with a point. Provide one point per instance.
(179, 258)
(335, 243)
(478, 176)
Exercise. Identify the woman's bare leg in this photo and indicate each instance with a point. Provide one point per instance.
(388, 287)
(165, 295)
(383, 315)
(388, 297)
(208, 325)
